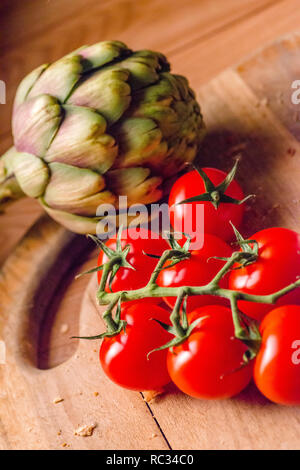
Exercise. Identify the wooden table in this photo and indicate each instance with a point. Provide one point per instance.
(200, 37)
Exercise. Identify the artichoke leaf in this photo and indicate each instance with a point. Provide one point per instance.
(144, 67)
(27, 83)
(31, 173)
(35, 123)
(103, 53)
(86, 206)
(140, 142)
(136, 183)
(84, 225)
(106, 90)
(68, 185)
(7, 163)
(59, 78)
(81, 141)
(73, 222)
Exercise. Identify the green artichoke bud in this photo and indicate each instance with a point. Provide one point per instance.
(99, 123)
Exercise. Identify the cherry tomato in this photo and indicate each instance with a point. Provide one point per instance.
(208, 364)
(216, 221)
(277, 366)
(128, 279)
(278, 265)
(124, 356)
(198, 270)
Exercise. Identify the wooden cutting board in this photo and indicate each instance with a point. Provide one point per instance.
(247, 109)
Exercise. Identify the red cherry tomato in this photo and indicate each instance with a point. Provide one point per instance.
(216, 221)
(208, 364)
(198, 270)
(128, 279)
(124, 356)
(278, 265)
(277, 366)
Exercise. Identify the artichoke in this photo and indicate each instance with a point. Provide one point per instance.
(101, 122)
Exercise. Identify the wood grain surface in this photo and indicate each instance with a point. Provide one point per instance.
(247, 108)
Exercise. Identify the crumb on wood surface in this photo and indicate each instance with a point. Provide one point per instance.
(64, 328)
(57, 400)
(264, 101)
(85, 430)
(151, 395)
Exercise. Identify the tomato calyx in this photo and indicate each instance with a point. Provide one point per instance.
(181, 329)
(179, 253)
(114, 325)
(216, 194)
(248, 247)
(246, 330)
(117, 259)
(249, 250)
(252, 341)
(177, 340)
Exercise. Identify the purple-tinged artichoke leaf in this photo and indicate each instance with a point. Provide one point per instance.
(59, 78)
(69, 185)
(107, 91)
(81, 141)
(73, 222)
(31, 173)
(84, 225)
(27, 83)
(86, 206)
(35, 123)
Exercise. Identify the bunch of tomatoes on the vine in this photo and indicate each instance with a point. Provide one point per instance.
(209, 362)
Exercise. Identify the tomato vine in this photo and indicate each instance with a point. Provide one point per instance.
(245, 328)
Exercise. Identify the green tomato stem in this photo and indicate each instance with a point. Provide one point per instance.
(165, 257)
(248, 334)
(112, 326)
(104, 298)
(235, 257)
(175, 315)
(239, 330)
